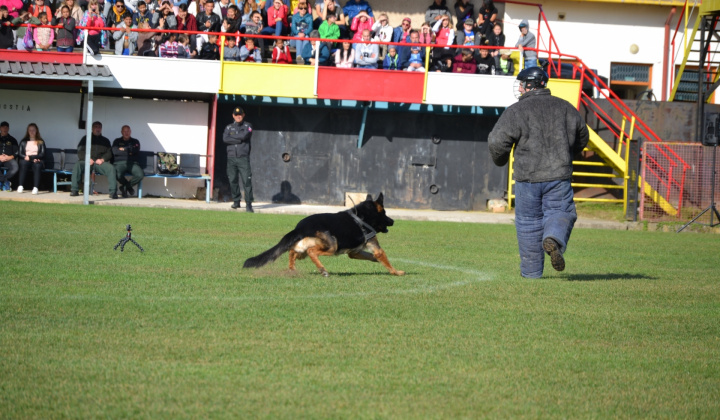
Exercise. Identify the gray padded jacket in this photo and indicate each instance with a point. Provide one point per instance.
(546, 131)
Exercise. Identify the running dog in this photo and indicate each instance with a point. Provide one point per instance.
(347, 232)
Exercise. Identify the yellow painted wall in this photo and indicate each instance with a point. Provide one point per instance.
(265, 79)
(566, 89)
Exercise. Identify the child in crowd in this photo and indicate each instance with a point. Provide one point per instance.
(43, 37)
(210, 49)
(464, 63)
(169, 49)
(503, 64)
(281, 53)
(329, 28)
(345, 56)
(6, 32)
(248, 52)
(66, 33)
(392, 60)
(382, 32)
(361, 22)
(485, 63)
(426, 34)
(231, 52)
(444, 64)
(125, 39)
(415, 58)
(184, 50)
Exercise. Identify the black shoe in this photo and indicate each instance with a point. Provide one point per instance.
(131, 191)
(249, 209)
(74, 193)
(552, 248)
(235, 205)
(113, 195)
(124, 192)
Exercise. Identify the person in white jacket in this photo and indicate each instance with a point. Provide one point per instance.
(383, 32)
(366, 55)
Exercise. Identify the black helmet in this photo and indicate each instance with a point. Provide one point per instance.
(533, 78)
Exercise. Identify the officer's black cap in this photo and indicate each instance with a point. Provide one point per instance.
(4, 124)
(238, 111)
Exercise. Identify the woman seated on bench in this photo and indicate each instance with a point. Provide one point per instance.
(32, 154)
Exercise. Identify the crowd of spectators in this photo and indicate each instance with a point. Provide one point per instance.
(450, 32)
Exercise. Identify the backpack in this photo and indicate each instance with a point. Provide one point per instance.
(167, 164)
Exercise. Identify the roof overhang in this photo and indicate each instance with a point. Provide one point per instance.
(51, 66)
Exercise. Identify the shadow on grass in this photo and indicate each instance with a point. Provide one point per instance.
(608, 276)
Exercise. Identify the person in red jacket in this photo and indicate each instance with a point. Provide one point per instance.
(39, 7)
(281, 53)
(277, 19)
(464, 63)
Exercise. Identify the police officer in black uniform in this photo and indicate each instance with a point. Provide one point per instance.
(237, 138)
(8, 152)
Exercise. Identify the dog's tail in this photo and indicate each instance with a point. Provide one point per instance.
(273, 253)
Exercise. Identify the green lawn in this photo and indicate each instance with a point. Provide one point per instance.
(631, 329)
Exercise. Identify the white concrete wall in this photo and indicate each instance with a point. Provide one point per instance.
(470, 90)
(172, 126)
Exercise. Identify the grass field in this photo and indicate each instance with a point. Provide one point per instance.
(631, 329)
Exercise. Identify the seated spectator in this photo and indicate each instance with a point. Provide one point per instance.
(361, 22)
(39, 7)
(366, 54)
(65, 36)
(444, 32)
(464, 10)
(221, 7)
(503, 64)
(207, 21)
(485, 62)
(248, 8)
(100, 157)
(329, 29)
(210, 50)
(296, 4)
(185, 47)
(76, 11)
(13, 7)
(345, 56)
(32, 155)
(8, 152)
(496, 39)
(486, 17)
(444, 64)
(267, 5)
(116, 14)
(281, 53)
(467, 35)
(402, 32)
(125, 39)
(277, 19)
(300, 27)
(404, 51)
(249, 52)
(427, 36)
(382, 32)
(308, 54)
(464, 63)
(325, 8)
(43, 37)
(231, 52)
(392, 59)
(7, 37)
(231, 23)
(169, 48)
(254, 25)
(416, 61)
(436, 11)
(126, 150)
(22, 23)
(142, 18)
(353, 7)
(165, 19)
(187, 22)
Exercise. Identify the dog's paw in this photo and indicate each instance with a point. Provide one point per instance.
(325, 273)
(399, 273)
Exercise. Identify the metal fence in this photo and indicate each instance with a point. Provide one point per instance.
(672, 192)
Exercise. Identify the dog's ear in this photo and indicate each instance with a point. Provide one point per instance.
(380, 199)
(369, 197)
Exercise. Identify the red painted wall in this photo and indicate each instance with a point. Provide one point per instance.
(370, 85)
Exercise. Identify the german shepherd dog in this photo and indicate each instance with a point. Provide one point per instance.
(349, 232)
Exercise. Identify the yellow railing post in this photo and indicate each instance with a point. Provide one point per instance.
(510, 178)
(627, 164)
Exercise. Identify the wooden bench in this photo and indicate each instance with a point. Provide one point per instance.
(62, 161)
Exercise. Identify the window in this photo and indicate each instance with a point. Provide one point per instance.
(630, 80)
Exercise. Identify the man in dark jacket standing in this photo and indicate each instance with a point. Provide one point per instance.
(237, 138)
(100, 157)
(546, 132)
(126, 151)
